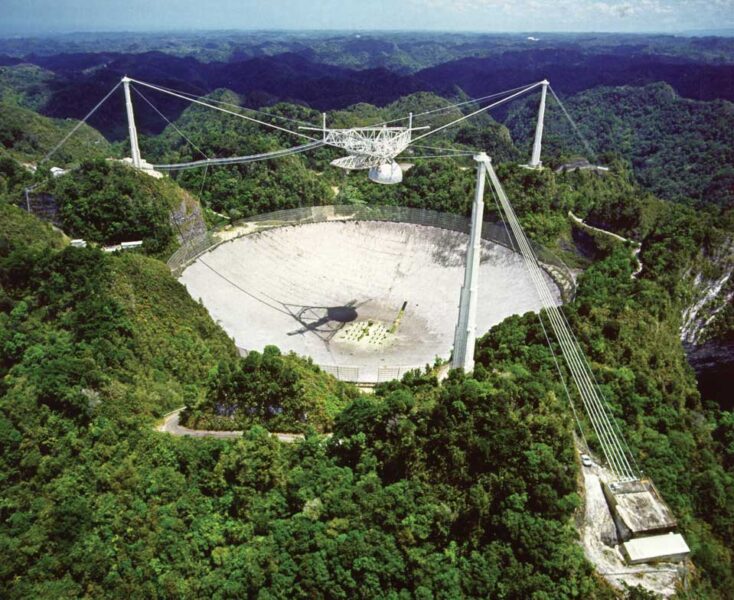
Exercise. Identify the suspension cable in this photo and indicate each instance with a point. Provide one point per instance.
(469, 101)
(419, 156)
(203, 181)
(223, 103)
(476, 112)
(439, 149)
(181, 133)
(236, 160)
(79, 124)
(575, 128)
(224, 110)
(540, 318)
(613, 445)
(596, 383)
(450, 106)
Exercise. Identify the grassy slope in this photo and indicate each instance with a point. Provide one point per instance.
(28, 136)
(19, 227)
(175, 340)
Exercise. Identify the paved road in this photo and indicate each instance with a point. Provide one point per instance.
(171, 425)
(637, 245)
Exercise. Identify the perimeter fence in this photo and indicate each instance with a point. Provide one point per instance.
(368, 375)
(491, 231)
(361, 375)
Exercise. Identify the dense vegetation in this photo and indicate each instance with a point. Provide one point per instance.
(282, 393)
(678, 149)
(25, 85)
(28, 136)
(13, 177)
(110, 203)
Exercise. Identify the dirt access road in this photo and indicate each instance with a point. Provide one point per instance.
(171, 425)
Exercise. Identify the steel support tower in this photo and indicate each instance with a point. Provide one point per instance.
(134, 148)
(466, 327)
(535, 162)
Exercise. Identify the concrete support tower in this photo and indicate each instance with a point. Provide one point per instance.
(535, 162)
(466, 328)
(134, 148)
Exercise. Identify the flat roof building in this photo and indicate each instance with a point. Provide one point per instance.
(669, 547)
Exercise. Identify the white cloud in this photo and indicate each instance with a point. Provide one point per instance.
(720, 12)
(467, 5)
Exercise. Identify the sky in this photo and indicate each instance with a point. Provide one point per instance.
(25, 17)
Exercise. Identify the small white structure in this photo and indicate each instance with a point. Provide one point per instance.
(58, 171)
(143, 166)
(387, 173)
(670, 547)
(123, 246)
(79, 243)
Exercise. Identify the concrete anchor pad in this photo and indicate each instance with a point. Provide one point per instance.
(372, 296)
(638, 509)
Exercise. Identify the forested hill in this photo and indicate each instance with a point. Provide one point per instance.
(332, 72)
(28, 136)
(398, 51)
(663, 103)
(678, 149)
